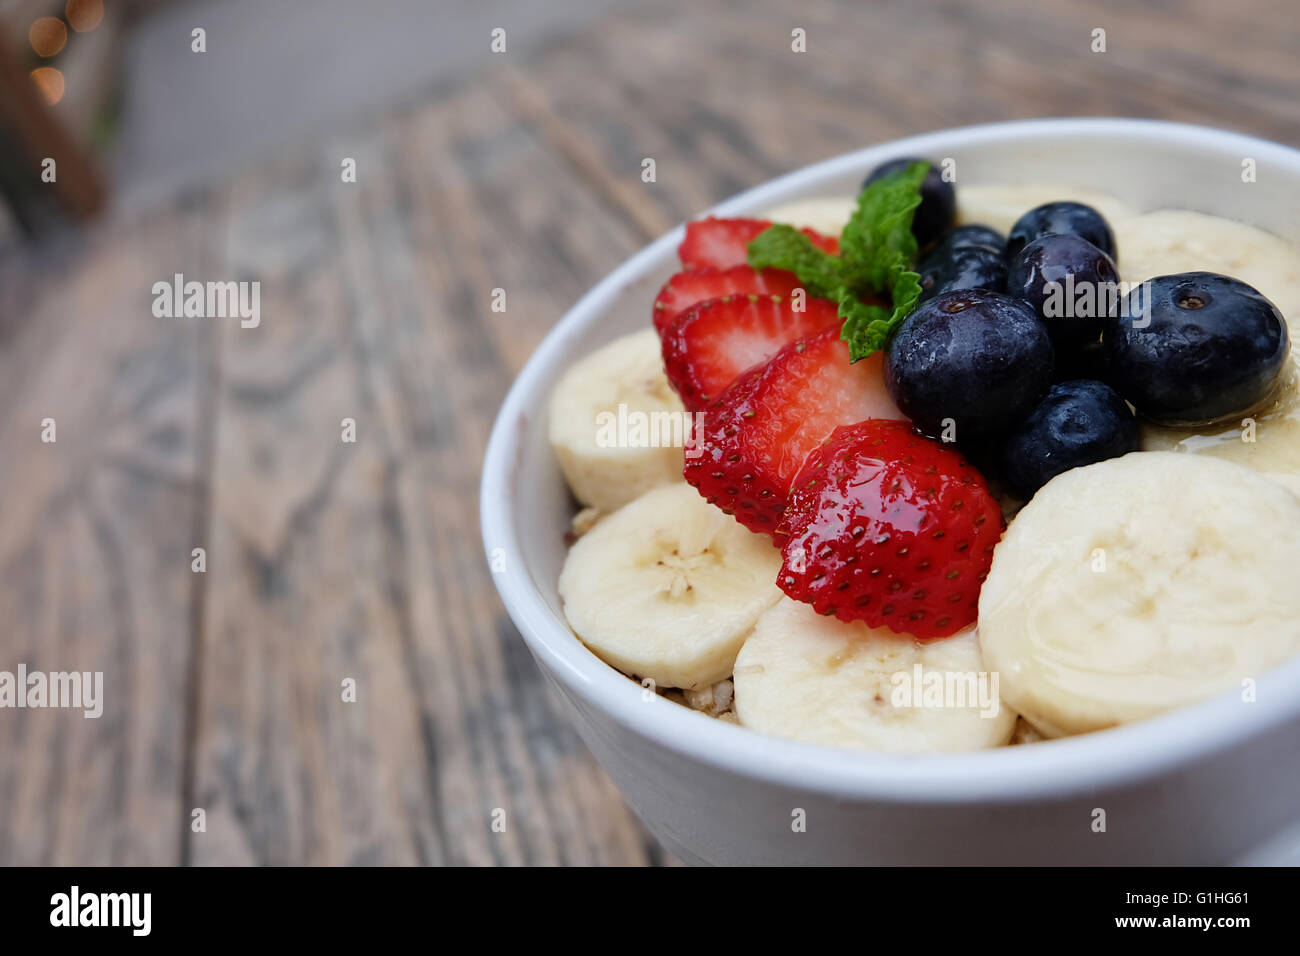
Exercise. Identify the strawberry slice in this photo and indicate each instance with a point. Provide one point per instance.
(699, 285)
(889, 528)
(757, 433)
(712, 342)
(722, 243)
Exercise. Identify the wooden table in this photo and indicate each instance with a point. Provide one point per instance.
(328, 560)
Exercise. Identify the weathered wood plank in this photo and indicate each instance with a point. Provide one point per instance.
(524, 224)
(716, 95)
(95, 539)
(285, 769)
(331, 560)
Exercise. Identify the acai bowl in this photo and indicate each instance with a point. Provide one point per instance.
(713, 791)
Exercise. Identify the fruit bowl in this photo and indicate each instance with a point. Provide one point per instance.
(1207, 784)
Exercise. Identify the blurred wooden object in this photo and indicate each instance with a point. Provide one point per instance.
(82, 77)
(328, 560)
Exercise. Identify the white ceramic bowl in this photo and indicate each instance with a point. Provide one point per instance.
(1208, 784)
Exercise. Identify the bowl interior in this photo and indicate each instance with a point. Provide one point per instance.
(526, 507)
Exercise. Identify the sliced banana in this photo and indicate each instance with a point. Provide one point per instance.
(827, 214)
(817, 679)
(616, 425)
(1000, 206)
(1172, 241)
(1266, 440)
(1175, 240)
(1137, 585)
(668, 587)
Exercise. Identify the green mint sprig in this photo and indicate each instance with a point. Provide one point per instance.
(877, 250)
(785, 247)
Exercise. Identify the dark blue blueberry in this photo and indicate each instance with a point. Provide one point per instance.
(938, 200)
(1068, 218)
(1071, 284)
(966, 267)
(1195, 347)
(1077, 423)
(979, 358)
(973, 235)
(982, 452)
(1087, 361)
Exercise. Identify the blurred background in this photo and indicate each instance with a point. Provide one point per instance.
(495, 145)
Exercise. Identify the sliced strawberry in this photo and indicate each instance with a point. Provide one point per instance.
(755, 436)
(722, 243)
(712, 342)
(889, 528)
(699, 285)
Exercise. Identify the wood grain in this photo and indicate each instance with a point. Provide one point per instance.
(95, 548)
(330, 560)
(716, 95)
(334, 560)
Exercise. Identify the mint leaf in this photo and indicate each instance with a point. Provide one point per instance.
(877, 250)
(868, 326)
(785, 247)
(877, 243)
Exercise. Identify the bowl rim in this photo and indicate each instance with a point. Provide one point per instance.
(1065, 767)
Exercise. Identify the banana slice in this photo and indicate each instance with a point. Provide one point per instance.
(827, 215)
(668, 587)
(817, 679)
(1175, 240)
(1137, 585)
(1172, 241)
(1266, 441)
(616, 425)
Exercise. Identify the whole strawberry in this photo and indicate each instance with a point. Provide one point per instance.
(890, 528)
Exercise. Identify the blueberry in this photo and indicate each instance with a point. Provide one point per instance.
(938, 200)
(1077, 423)
(1068, 218)
(966, 267)
(1086, 361)
(1072, 285)
(973, 235)
(1194, 348)
(979, 358)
